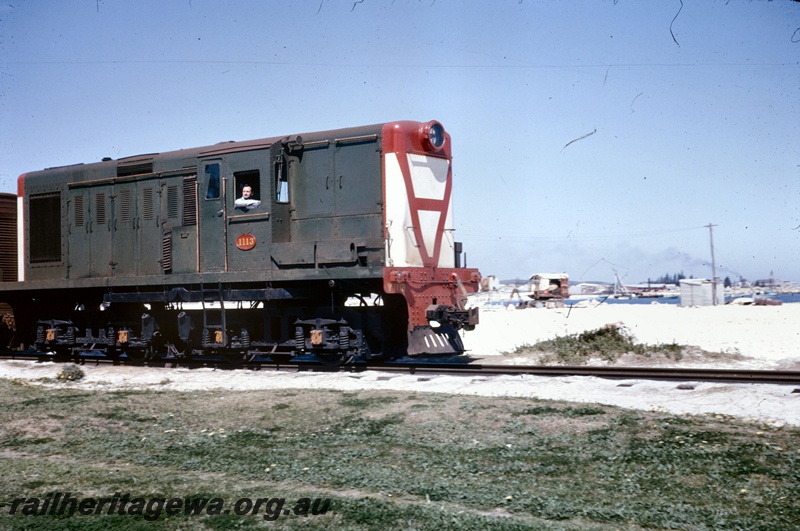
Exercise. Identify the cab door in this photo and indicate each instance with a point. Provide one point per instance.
(280, 198)
(248, 219)
(211, 223)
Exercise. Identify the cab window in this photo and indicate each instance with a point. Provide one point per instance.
(281, 183)
(247, 189)
(212, 181)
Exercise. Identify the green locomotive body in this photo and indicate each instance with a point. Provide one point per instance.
(336, 243)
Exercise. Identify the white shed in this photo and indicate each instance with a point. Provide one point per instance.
(700, 292)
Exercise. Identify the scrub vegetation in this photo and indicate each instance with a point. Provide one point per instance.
(608, 343)
(70, 373)
(392, 460)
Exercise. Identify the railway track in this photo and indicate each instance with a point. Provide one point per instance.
(624, 373)
(678, 374)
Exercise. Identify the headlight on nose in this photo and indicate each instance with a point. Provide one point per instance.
(433, 136)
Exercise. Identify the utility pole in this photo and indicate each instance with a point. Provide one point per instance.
(713, 265)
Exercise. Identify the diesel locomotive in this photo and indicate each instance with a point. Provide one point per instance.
(335, 244)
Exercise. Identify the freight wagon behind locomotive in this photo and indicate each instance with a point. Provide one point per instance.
(338, 244)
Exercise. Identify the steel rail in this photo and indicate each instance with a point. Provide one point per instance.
(644, 373)
(679, 374)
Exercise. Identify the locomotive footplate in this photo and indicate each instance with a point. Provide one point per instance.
(186, 295)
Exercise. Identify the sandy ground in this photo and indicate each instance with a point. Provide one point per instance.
(767, 337)
(757, 337)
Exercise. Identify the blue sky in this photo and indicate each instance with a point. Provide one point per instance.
(694, 118)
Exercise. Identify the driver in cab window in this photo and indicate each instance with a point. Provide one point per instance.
(247, 202)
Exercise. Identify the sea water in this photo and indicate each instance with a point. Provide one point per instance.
(783, 297)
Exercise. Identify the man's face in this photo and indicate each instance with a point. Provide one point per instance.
(247, 192)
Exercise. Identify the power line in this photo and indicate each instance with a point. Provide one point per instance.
(386, 65)
(570, 237)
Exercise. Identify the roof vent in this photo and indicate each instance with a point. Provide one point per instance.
(134, 167)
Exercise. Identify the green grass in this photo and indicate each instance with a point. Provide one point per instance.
(395, 460)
